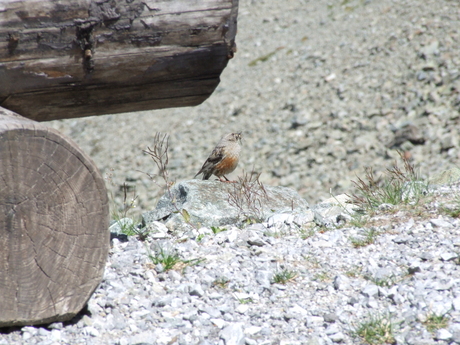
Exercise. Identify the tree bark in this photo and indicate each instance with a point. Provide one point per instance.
(54, 236)
(75, 58)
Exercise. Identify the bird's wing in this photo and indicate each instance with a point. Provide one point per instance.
(215, 157)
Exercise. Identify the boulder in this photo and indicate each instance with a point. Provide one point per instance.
(214, 203)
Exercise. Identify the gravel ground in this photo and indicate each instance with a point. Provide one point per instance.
(319, 89)
(278, 282)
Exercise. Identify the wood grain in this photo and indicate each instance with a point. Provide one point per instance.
(54, 235)
(144, 53)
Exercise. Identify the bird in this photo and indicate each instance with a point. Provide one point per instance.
(223, 159)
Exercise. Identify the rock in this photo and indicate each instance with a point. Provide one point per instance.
(443, 334)
(440, 223)
(196, 290)
(341, 282)
(448, 256)
(407, 132)
(337, 337)
(370, 290)
(213, 203)
(263, 278)
(330, 317)
(456, 304)
(414, 267)
(233, 334)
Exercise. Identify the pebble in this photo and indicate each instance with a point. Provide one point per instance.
(443, 334)
(233, 334)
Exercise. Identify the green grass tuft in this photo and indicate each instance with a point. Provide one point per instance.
(398, 186)
(284, 276)
(369, 237)
(434, 322)
(375, 331)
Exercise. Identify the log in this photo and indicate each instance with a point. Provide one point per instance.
(54, 236)
(74, 58)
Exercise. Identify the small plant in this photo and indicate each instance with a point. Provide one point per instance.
(354, 272)
(248, 196)
(221, 282)
(376, 331)
(200, 237)
(306, 233)
(452, 210)
(264, 57)
(216, 229)
(434, 322)
(312, 260)
(359, 220)
(284, 277)
(245, 300)
(159, 155)
(399, 187)
(168, 259)
(369, 237)
(322, 276)
(126, 224)
(275, 234)
(383, 282)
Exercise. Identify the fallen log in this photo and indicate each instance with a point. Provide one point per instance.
(54, 237)
(74, 58)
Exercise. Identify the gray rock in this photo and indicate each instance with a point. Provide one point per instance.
(233, 334)
(196, 290)
(264, 278)
(337, 337)
(341, 282)
(456, 304)
(448, 256)
(330, 317)
(440, 223)
(213, 203)
(370, 290)
(443, 334)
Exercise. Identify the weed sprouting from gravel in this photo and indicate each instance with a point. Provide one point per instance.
(306, 233)
(121, 214)
(434, 322)
(453, 209)
(354, 271)
(375, 330)
(369, 236)
(170, 259)
(217, 229)
(323, 276)
(284, 276)
(246, 300)
(167, 258)
(383, 282)
(221, 282)
(399, 186)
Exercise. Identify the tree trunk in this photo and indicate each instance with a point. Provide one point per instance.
(54, 237)
(74, 58)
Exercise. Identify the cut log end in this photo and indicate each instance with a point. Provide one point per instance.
(53, 224)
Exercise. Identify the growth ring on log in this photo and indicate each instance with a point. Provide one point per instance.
(54, 237)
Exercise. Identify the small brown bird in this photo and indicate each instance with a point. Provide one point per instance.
(223, 159)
